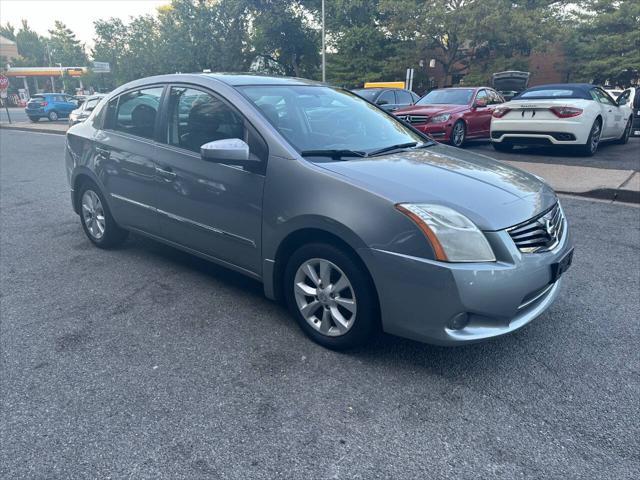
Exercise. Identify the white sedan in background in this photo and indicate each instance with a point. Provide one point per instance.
(574, 114)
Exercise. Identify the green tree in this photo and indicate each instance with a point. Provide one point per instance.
(606, 43)
(8, 31)
(31, 47)
(64, 46)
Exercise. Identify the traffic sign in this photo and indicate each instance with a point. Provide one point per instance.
(4, 82)
(101, 67)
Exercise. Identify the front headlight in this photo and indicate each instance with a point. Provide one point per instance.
(453, 236)
(443, 117)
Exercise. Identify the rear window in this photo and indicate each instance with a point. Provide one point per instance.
(553, 93)
(39, 98)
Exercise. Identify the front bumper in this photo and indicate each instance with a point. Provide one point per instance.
(438, 131)
(420, 298)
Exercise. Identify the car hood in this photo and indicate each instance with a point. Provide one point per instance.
(492, 194)
(430, 110)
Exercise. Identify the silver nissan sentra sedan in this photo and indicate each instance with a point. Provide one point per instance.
(356, 220)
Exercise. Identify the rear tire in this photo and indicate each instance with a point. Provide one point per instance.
(52, 116)
(34, 119)
(339, 302)
(626, 133)
(458, 134)
(590, 148)
(97, 222)
(502, 147)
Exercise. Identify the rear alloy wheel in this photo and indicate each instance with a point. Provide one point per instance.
(627, 133)
(52, 116)
(590, 148)
(97, 222)
(458, 134)
(330, 296)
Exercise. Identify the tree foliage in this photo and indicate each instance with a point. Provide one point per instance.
(605, 41)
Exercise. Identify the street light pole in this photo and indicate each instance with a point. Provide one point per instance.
(324, 52)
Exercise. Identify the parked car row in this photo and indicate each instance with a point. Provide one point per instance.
(55, 106)
(576, 115)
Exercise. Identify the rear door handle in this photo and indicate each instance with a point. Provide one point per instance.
(103, 153)
(166, 173)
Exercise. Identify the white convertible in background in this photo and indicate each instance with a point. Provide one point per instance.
(575, 114)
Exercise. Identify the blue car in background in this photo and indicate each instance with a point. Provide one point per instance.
(50, 105)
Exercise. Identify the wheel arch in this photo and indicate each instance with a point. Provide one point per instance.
(304, 236)
(79, 177)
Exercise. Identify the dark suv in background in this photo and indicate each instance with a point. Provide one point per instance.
(390, 99)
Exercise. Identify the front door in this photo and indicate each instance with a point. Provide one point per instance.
(124, 157)
(212, 208)
(479, 118)
(610, 113)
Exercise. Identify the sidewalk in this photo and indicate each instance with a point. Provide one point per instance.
(606, 184)
(43, 126)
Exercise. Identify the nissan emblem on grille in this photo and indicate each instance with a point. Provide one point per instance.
(541, 233)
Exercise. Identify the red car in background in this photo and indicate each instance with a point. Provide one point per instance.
(453, 115)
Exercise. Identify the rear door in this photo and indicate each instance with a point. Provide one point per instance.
(125, 156)
(212, 208)
(387, 100)
(403, 98)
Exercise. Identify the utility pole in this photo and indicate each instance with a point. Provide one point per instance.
(324, 49)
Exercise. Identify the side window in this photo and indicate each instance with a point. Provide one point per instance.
(196, 117)
(624, 97)
(494, 98)
(603, 97)
(135, 112)
(387, 98)
(482, 95)
(404, 97)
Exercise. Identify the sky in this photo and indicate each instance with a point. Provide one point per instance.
(78, 15)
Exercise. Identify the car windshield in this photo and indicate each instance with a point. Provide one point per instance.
(368, 93)
(454, 96)
(319, 118)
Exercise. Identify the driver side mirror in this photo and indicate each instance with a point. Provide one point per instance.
(232, 151)
(480, 102)
(622, 100)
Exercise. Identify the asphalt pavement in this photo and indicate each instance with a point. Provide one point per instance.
(610, 155)
(148, 363)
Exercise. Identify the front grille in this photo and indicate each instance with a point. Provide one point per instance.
(414, 119)
(541, 233)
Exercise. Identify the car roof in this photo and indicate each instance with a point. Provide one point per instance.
(242, 79)
(580, 90)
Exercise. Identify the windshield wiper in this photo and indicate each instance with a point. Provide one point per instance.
(334, 154)
(399, 146)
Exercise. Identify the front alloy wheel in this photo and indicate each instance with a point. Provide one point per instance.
(331, 295)
(325, 297)
(458, 134)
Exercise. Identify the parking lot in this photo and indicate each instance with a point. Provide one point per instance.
(145, 362)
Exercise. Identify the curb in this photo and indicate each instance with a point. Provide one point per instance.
(609, 194)
(29, 129)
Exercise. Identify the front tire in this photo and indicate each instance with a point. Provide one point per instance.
(590, 148)
(52, 116)
(502, 147)
(331, 296)
(97, 222)
(458, 134)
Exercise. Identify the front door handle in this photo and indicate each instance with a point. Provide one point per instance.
(166, 173)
